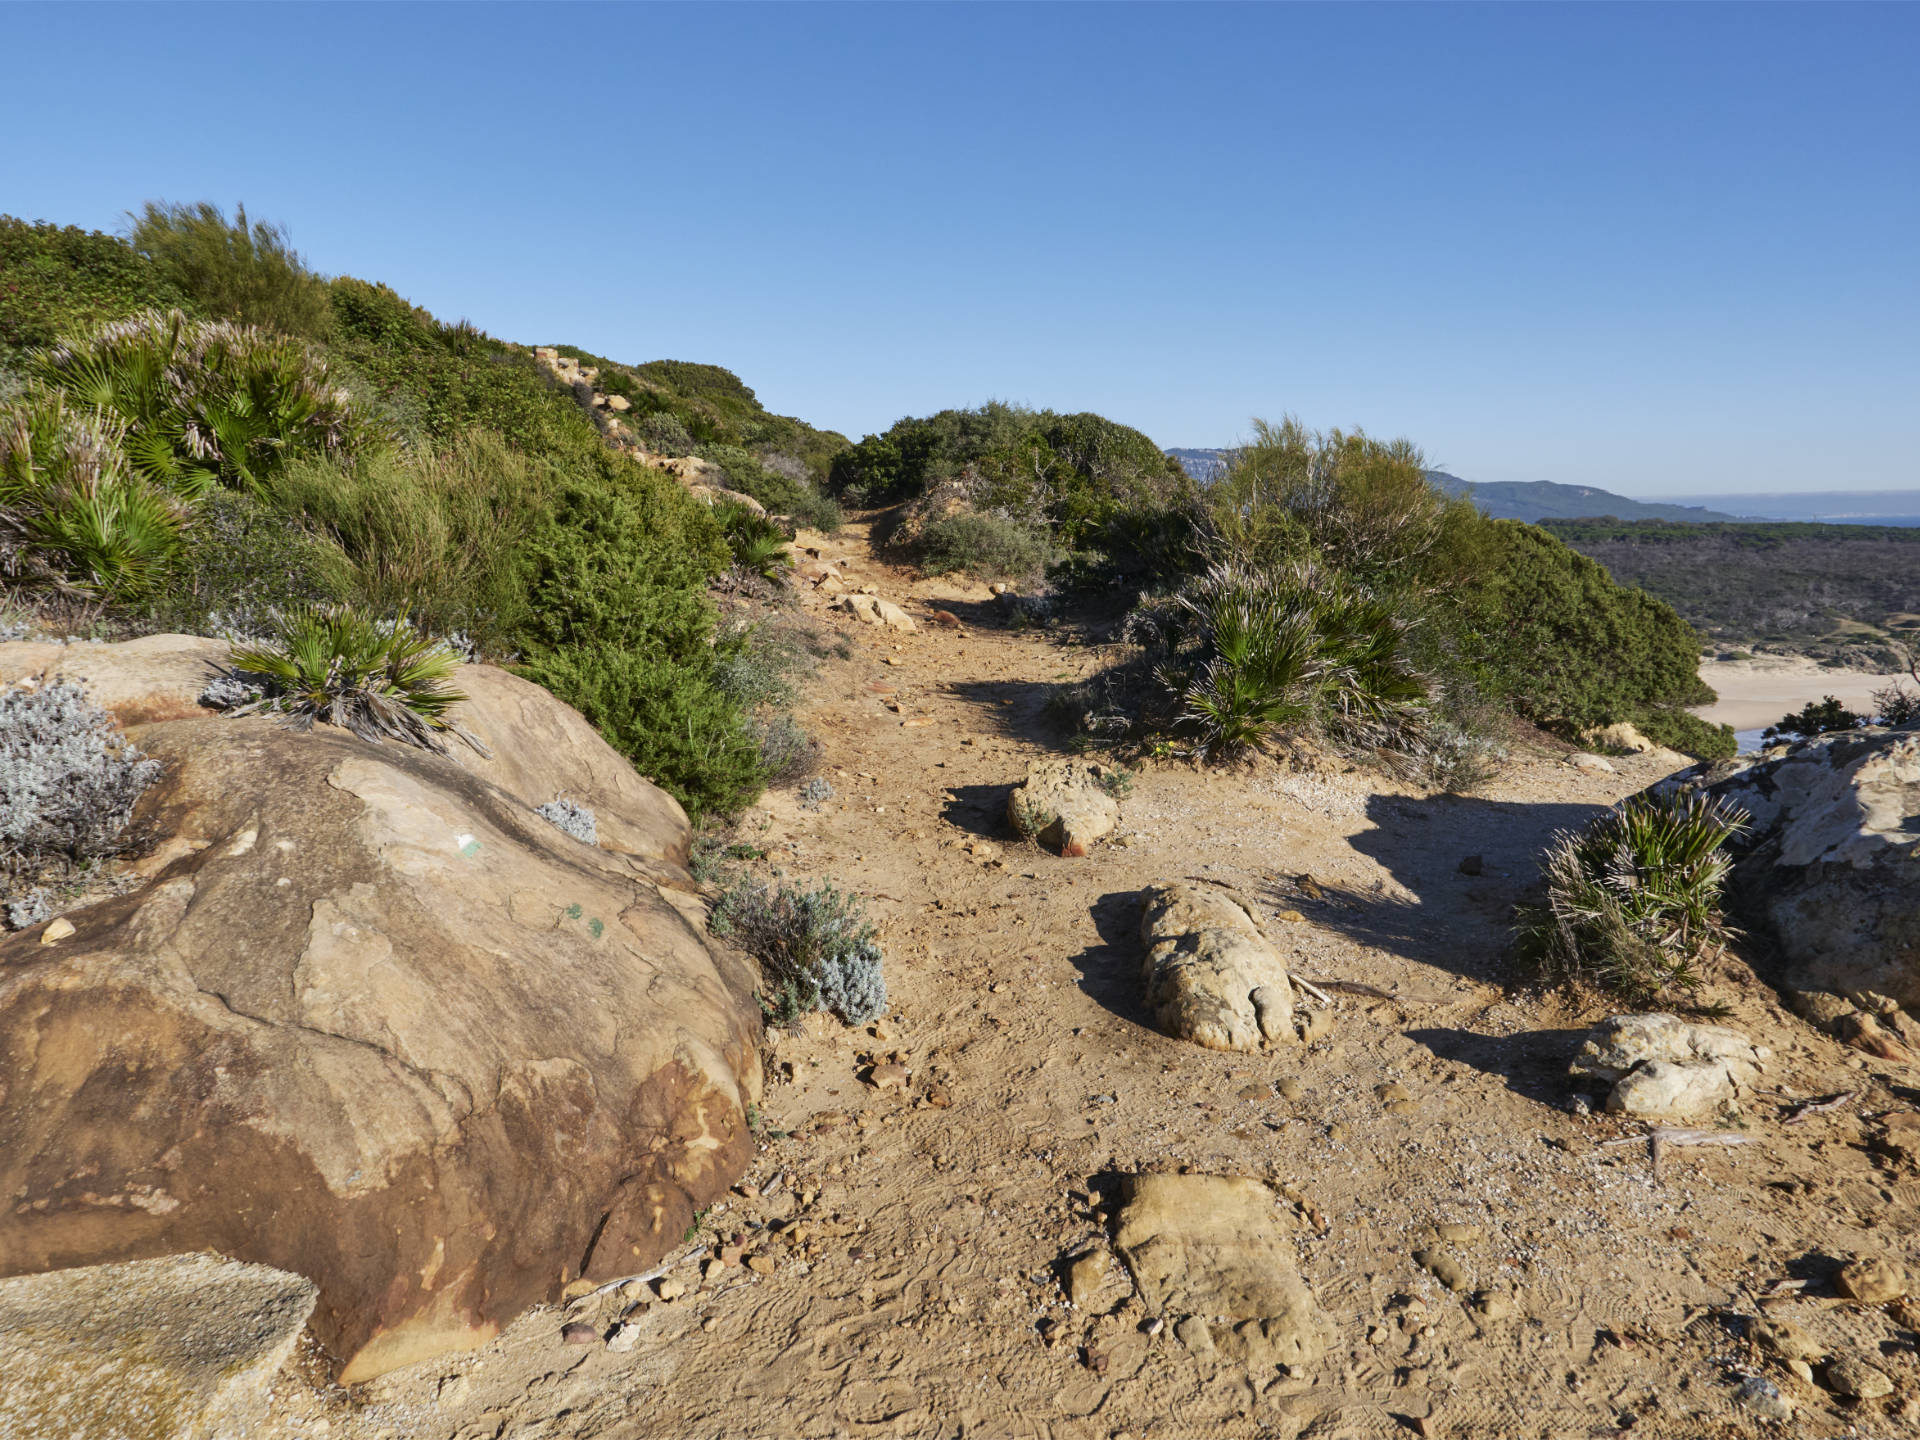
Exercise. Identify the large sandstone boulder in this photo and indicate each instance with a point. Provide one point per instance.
(1210, 976)
(1832, 864)
(1064, 804)
(182, 1348)
(1216, 1247)
(371, 1020)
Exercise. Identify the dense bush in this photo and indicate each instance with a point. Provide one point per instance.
(439, 534)
(662, 433)
(240, 559)
(1549, 631)
(383, 680)
(1632, 902)
(1109, 501)
(68, 780)
(758, 544)
(815, 947)
(57, 281)
(233, 269)
(1815, 719)
(668, 717)
(991, 547)
(1896, 705)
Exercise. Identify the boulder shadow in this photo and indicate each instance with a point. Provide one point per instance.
(1532, 1063)
(979, 810)
(1110, 970)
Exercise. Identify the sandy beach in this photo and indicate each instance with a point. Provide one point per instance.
(1756, 693)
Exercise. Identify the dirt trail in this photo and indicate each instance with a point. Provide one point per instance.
(907, 1299)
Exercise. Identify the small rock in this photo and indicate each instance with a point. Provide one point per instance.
(1785, 1339)
(888, 1077)
(1194, 1333)
(1313, 1025)
(578, 1332)
(1761, 1396)
(1801, 1369)
(762, 1264)
(452, 1391)
(57, 929)
(623, 1337)
(1391, 1092)
(1856, 1379)
(1443, 1267)
(1291, 1088)
(1492, 1305)
(1872, 1281)
(576, 1288)
(1472, 865)
(1599, 764)
(1456, 1232)
(1253, 1092)
(1086, 1274)
(1291, 917)
(669, 1289)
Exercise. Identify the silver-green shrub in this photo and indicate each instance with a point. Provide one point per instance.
(816, 949)
(68, 780)
(576, 819)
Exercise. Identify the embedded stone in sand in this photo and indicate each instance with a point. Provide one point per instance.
(1214, 1246)
(1210, 976)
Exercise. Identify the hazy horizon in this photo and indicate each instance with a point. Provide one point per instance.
(1657, 250)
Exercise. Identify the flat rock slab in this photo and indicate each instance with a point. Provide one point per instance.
(181, 1348)
(1214, 1246)
(1209, 975)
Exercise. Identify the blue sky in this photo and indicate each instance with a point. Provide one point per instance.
(1656, 249)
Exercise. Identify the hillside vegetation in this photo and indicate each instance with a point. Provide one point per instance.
(200, 432)
(1316, 585)
(1835, 592)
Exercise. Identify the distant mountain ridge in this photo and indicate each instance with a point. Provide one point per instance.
(1529, 500)
(1536, 500)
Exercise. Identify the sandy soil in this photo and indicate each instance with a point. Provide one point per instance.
(1756, 693)
(907, 1295)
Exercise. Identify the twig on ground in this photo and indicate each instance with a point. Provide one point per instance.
(1815, 1107)
(1312, 989)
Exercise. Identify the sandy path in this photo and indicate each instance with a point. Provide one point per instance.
(1757, 693)
(906, 1296)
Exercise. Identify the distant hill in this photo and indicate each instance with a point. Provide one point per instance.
(1530, 500)
(1537, 500)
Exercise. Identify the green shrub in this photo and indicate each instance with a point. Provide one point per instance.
(57, 281)
(1547, 630)
(663, 434)
(1686, 732)
(988, 546)
(438, 535)
(205, 403)
(1633, 902)
(71, 511)
(1896, 705)
(239, 561)
(1089, 482)
(815, 947)
(381, 680)
(238, 271)
(1815, 719)
(668, 717)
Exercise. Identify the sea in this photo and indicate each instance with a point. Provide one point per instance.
(1827, 507)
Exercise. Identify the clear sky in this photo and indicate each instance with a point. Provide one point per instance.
(1658, 249)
